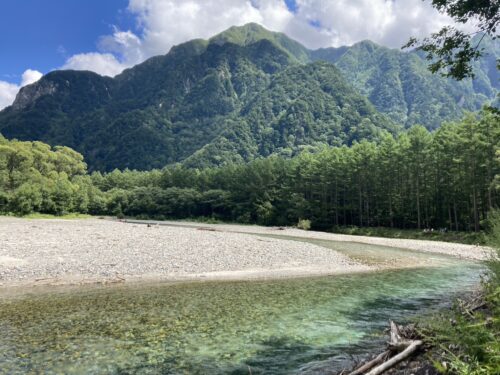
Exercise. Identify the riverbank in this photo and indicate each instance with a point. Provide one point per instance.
(38, 252)
(62, 252)
(463, 340)
(463, 251)
(469, 238)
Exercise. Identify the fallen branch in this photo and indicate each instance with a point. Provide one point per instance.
(369, 365)
(397, 358)
(399, 343)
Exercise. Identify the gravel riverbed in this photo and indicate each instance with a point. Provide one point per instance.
(56, 251)
(464, 251)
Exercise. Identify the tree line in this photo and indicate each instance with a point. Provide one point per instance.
(417, 179)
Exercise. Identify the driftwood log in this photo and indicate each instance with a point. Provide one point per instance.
(371, 364)
(400, 347)
(397, 358)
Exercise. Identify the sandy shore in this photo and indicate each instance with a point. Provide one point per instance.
(62, 252)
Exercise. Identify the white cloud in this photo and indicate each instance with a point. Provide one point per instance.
(30, 76)
(105, 64)
(8, 91)
(125, 44)
(344, 22)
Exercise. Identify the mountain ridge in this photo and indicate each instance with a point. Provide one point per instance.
(203, 102)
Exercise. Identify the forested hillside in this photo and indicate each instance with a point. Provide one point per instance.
(245, 93)
(416, 179)
(400, 85)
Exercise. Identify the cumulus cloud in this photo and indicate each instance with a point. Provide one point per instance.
(124, 44)
(105, 64)
(344, 22)
(8, 91)
(30, 76)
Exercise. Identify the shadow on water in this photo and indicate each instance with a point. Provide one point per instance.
(272, 327)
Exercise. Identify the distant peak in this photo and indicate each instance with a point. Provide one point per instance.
(243, 35)
(253, 32)
(366, 44)
(251, 26)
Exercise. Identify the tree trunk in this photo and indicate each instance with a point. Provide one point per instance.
(418, 203)
(360, 208)
(450, 226)
(474, 208)
(456, 215)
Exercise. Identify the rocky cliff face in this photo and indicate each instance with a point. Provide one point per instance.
(29, 94)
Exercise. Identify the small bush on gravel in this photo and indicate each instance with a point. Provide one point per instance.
(304, 224)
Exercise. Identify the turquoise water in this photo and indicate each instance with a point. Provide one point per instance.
(272, 327)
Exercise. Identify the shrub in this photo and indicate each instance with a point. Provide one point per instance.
(304, 224)
(493, 229)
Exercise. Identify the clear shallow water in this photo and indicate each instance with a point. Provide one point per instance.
(377, 255)
(277, 327)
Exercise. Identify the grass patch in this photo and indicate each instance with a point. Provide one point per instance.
(470, 238)
(466, 340)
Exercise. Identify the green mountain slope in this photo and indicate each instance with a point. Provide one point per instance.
(245, 93)
(303, 106)
(400, 85)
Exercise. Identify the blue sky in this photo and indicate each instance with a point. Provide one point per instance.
(107, 36)
(41, 34)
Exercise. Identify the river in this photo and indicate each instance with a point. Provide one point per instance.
(303, 325)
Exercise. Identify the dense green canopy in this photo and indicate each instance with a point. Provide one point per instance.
(417, 179)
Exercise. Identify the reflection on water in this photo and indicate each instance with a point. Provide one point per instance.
(218, 327)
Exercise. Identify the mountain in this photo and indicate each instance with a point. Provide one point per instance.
(303, 106)
(400, 85)
(244, 93)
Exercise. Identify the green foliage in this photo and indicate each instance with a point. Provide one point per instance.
(417, 179)
(304, 224)
(443, 180)
(470, 337)
(470, 340)
(493, 229)
(452, 51)
(36, 178)
(400, 85)
(244, 94)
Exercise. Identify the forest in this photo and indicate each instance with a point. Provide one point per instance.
(445, 179)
